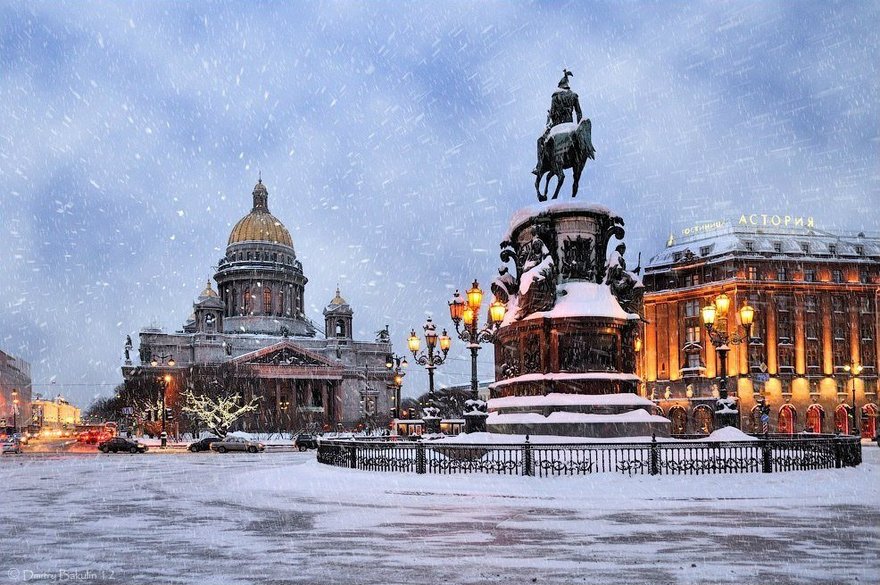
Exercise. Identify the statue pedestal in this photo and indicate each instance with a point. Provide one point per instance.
(475, 421)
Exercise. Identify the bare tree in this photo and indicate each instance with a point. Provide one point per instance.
(220, 412)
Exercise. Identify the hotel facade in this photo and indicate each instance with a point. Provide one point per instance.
(813, 346)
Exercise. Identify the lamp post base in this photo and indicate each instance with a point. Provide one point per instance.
(726, 419)
(475, 422)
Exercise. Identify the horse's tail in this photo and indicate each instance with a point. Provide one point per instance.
(585, 131)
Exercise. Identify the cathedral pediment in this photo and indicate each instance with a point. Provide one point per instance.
(285, 353)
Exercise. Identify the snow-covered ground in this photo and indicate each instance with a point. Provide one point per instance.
(283, 518)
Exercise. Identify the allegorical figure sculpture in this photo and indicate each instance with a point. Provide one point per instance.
(626, 286)
(565, 144)
(128, 348)
(537, 286)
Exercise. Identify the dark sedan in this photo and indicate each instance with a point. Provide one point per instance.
(203, 445)
(122, 445)
(305, 441)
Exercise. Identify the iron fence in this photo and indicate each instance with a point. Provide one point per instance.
(761, 455)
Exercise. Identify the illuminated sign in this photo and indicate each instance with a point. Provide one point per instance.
(702, 227)
(763, 219)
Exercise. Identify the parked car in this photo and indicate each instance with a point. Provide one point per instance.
(120, 444)
(305, 441)
(202, 445)
(236, 444)
(10, 445)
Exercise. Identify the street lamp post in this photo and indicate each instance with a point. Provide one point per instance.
(430, 360)
(715, 320)
(156, 361)
(468, 313)
(15, 411)
(854, 370)
(396, 364)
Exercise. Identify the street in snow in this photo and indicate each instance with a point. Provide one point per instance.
(284, 518)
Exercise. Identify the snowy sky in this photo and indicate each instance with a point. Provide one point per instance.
(395, 140)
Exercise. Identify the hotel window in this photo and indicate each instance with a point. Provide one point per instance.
(784, 328)
(837, 276)
(863, 277)
(813, 357)
(810, 304)
(811, 330)
(693, 361)
(692, 334)
(781, 274)
(692, 308)
(753, 273)
(805, 247)
(777, 247)
(809, 275)
(837, 304)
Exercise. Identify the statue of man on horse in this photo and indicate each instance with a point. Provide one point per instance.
(565, 144)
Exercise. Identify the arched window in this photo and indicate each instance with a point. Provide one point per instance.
(679, 418)
(247, 301)
(869, 421)
(703, 420)
(340, 328)
(210, 323)
(815, 418)
(787, 420)
(841, 419)
(267, 300)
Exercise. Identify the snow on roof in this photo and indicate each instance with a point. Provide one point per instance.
(563, 376)
(559, 399)
(780, 242)
(524, 214)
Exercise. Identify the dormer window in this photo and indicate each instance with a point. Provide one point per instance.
(705, 250)
(777, 247)
(832, 249)
(860, 250)
(805, 247)
(750, 246)
(676, 256)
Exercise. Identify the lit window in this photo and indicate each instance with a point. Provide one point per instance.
(753, 273)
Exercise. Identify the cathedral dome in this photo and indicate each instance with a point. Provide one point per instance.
(259, 225)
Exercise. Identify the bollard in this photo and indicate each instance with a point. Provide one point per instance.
(420, 457)
(766, 457)
(528, 464)
(655, 455)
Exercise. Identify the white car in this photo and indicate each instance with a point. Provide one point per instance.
(10, 446)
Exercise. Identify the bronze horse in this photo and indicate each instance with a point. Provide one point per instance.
(565, 150)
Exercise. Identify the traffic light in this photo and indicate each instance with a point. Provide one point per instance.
(169, 415)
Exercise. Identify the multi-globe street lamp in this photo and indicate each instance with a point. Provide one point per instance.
(715, 319)
(427, 358)
(396, 364)
(853, 370)
(156, 360)
(468, 312)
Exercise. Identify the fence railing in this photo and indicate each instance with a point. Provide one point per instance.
(762, 455)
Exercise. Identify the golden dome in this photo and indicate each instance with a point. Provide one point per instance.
(259, 225)
(208, 292)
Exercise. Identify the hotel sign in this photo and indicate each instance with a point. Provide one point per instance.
(763, 219)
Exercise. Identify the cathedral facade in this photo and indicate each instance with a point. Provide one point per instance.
(251, 336)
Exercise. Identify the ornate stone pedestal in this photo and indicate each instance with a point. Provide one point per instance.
(573, 314)
(475, 422)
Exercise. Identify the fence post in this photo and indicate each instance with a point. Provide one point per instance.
(420, 457)
(655, 455)
(528, 465)
(352, 455)
(838, 463)
(766, 456)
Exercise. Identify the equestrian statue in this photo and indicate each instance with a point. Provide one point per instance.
(565, 144)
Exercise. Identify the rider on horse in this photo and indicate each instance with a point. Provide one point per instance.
(561, 105)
